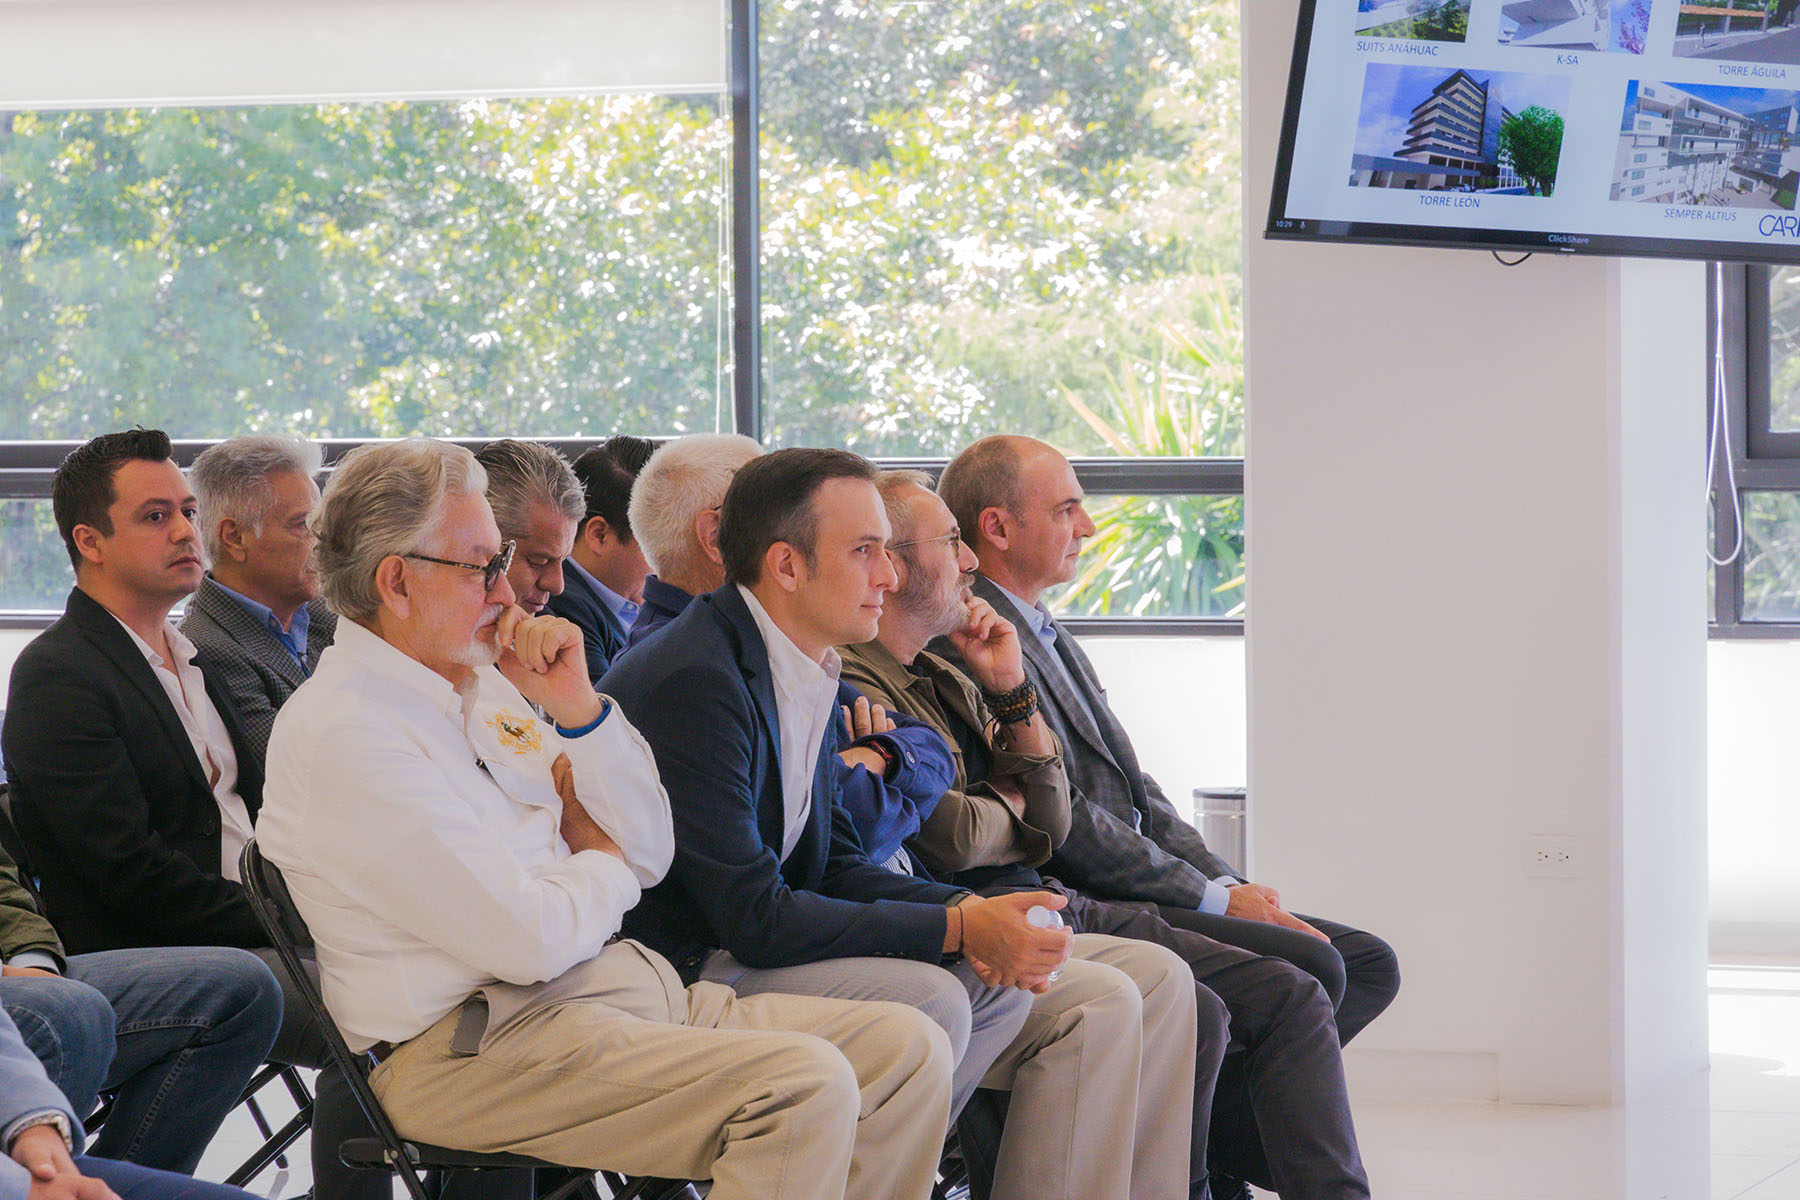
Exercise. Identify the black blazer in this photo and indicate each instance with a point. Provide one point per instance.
(700, 692)
(109, 798)
(602, 635)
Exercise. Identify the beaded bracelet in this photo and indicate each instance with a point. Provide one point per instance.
(1014, 707)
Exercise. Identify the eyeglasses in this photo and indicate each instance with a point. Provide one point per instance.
(491, 571)
(949, 539)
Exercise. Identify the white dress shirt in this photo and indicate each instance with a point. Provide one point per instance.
(186, 689)
(805, 703)
(417, 826)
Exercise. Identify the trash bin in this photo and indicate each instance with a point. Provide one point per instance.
(1223, 819)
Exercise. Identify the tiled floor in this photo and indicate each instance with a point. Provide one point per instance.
(1733, 1133)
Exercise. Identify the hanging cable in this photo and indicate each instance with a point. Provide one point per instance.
(1719, 436)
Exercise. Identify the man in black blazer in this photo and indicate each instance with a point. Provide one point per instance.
(1020, 509)
(132, 806)
(257, 617)
(134, 785)
(603, 577)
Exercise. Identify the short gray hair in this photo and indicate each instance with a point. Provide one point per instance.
(384, 498)
(985, 475)
(892, 484)
(683, 479)
(522, 475)
(231, 479)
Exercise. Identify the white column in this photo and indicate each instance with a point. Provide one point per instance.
(1476, 618)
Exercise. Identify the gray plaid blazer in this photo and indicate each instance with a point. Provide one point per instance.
(1126, 841)
(256, 668)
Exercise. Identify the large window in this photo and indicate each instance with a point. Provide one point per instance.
(1757, 594)
(981, 216)
(976, 217)
(543, 267)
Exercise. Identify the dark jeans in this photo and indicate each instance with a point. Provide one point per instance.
(175, 1032)
(133, 1182)
(1359, 971)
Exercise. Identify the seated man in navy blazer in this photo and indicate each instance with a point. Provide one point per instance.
(770, 890)
(895, 768)
(604, 575)
(257, 617)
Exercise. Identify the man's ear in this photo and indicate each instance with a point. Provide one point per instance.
(596, 533)
(394, 585)
(231, 540)
(996, 526)
(706, 532)
(783, 564)
(87, 544)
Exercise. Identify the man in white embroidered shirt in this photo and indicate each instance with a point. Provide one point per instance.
(464, 868)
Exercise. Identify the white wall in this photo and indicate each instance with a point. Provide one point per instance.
(1523, 654)
(1753, 822)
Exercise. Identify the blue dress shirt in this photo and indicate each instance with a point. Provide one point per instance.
(293, 637)
(619, 606)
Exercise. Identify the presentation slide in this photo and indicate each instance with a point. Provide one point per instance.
(1576, 122)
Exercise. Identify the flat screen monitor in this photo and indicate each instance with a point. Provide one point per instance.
(1625, 127)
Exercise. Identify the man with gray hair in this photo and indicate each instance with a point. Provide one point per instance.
(481, 963)
(257, 616)
(675, 508)
(538, 504)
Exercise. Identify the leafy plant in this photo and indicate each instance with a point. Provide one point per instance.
(1170, 555)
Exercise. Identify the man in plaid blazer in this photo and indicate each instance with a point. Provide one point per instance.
(257, 617)
(1020, 509)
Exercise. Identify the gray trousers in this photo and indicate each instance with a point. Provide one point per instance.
(982, 1021)
(1101, 1069)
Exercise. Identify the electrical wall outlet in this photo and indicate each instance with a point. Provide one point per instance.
(1549, 856)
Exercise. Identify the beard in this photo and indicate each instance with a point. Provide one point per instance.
(481, 652)
(942, 607)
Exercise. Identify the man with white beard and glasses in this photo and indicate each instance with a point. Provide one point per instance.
(465, 866)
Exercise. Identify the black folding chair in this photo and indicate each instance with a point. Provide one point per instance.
(387, 1150)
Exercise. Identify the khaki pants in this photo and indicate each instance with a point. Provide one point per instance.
(772, 1097)
(1102, 1079)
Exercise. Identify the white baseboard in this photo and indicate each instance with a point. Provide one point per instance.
(1422, 1075)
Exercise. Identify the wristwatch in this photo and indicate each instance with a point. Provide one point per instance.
(48, 1117)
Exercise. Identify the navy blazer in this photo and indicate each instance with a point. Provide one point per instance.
(885, 812)
(602, 635)
(700, 691)
(111, 801)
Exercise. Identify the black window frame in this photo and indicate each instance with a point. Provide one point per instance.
(1762, 458)
(26, 467)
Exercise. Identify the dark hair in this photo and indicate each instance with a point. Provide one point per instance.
(770, 500)
(607, 473)
(81, 491)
